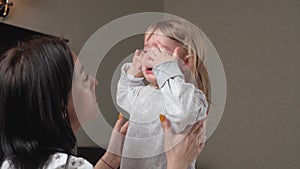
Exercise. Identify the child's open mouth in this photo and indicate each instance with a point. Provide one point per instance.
(149, 70)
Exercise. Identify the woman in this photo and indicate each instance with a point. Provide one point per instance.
(38, 110)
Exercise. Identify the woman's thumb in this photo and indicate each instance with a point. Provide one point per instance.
(119, 123)
(164, 122)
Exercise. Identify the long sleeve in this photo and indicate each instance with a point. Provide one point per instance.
(128, 90)
(184, 102)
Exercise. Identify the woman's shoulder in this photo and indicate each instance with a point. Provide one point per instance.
(59, 161)
(62, 160)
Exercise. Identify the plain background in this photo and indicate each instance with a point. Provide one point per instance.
(258, 43)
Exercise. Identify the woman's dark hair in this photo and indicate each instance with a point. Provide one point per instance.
(35, 81)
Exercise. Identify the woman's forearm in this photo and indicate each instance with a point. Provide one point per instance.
(176, 167)
(108, 161)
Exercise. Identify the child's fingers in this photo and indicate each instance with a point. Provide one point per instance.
(150, 62)
(138, 52)
(164, 49)
(154, 53)
(139, 58)
(160, 46)
(176, 53)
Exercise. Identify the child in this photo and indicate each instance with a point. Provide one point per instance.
(176, 87)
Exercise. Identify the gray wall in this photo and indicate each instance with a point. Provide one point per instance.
(258, 42)
(76, 20)
(258, 45)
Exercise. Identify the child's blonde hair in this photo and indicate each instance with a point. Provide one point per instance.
(191, 39)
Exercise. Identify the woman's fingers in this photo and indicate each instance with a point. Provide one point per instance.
(201, 147)
(124, 128)
(166, 128)
(183, 148)
(170, 140)
(201, 136)
(119, 123)
(201, 129)
(119, 126)
(198, 132)
(196, 127)
(164, 122)
(176, 53)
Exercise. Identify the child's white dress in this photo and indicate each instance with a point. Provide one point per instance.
(181, 102)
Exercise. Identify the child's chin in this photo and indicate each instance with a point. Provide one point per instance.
(151, 79)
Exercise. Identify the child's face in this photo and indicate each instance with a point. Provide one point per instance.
(151, 42)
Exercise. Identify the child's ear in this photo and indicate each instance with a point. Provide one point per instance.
(188, 60)
(184, 56)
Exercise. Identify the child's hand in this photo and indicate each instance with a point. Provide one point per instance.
(160, 55)
(136, 67)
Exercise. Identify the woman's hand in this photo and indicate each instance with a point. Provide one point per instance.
(112, 157)
(182, 149)
(136, 67)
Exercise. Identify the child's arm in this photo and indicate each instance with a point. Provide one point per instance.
(128, 88)
(130, 83)
(185, 104)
